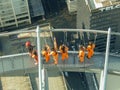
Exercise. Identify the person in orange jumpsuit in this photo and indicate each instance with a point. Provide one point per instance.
(29, 47)
(34, 55)
(64, 52)
(54, 54)
(32, 52)
(48, 48)
(81, 54)
(46, 53)
(89, 50)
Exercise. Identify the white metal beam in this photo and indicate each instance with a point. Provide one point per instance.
(64, 30)
(105, 71)
(39, 58)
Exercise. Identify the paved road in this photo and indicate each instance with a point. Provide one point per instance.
(76, 81)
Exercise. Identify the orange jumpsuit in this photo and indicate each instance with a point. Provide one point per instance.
(33, 53)
(35, 56)
(90, 51)
(46, 55)
(81, 55)
(64, 53)
(55, 56)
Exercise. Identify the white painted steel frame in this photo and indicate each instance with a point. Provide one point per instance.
(14, 55)
(59, 30)
(105, 71)
(103, 85)
(39, 58)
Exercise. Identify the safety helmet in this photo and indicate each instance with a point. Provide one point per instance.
(27, 43)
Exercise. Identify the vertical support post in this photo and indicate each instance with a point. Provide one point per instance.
(101, 80)
(104, 78)
(39, 58)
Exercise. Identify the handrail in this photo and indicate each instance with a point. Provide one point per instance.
(71, 52)
(58, 30)
(13, 55)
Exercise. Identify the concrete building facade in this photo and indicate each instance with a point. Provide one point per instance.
(92, 15)
(36, 8)
(102, 19)
(17, 13)
(14, 13)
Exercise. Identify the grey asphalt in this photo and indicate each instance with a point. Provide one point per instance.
(76, 81)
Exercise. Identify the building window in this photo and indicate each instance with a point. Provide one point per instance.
(3, 11)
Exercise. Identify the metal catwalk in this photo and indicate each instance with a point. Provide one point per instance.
(12, 62)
